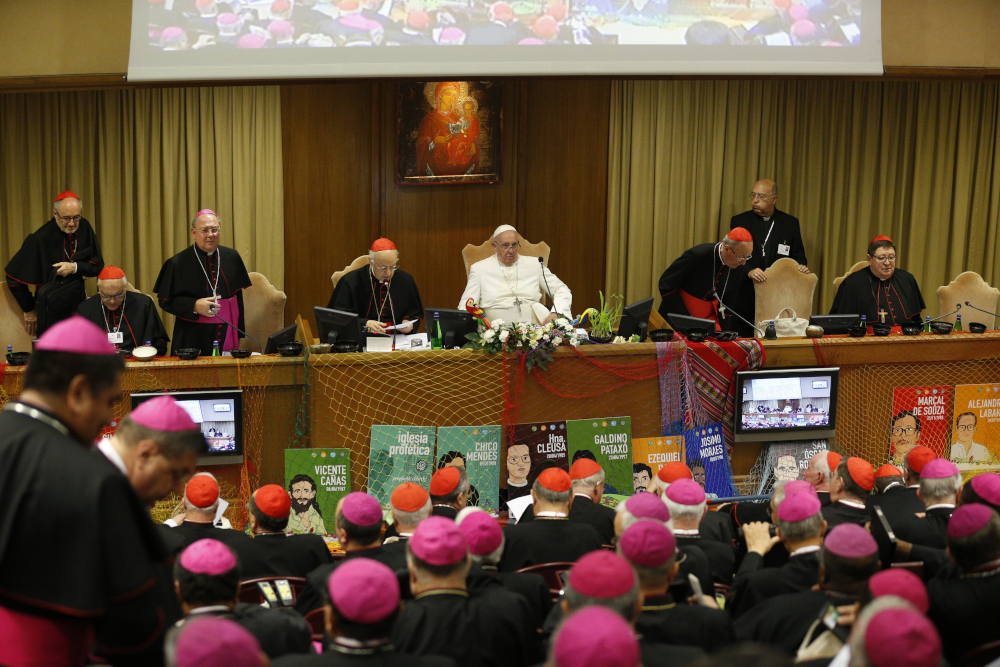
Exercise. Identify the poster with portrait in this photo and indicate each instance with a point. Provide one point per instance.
(531, 444)
(399, 454)
(650, 454)
(607, 440)
(316, 480)
(449, 132)
(708, 459)
(975, 433)
(919, 417)
(477, 449)
(787, 461)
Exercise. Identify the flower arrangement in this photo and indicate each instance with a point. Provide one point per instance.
(536, 341)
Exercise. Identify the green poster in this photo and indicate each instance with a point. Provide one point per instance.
(608, 440)
(399, 454)
(316, 480)
(478, 447)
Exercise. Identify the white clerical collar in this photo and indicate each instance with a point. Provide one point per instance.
(913, 486)
(851, 503)
(522, 484)
(892, 485)
(112, 454)
(949, 506)
(209, 609)
(554, 515)
(583, 495)
(686, 531)
(804, 550)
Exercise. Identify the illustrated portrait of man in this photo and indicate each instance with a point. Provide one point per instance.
(965, 448)
(905, 435)
(642, 474)
(697, 467)
(786, 468)
(306, 516)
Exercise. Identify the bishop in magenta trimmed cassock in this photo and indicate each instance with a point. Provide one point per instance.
(130, 318)
(202, 286)
(54, 260)
(381, 293)
(881, 292)
(693, 284)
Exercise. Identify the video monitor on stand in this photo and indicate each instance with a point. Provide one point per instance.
(455, 324)
(286, 335)
(219, 415)
(635, 319)
(338, 326)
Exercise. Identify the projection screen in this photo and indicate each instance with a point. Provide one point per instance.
(270, 39)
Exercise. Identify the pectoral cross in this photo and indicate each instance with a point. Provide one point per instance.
(881, 316)
(518, 302)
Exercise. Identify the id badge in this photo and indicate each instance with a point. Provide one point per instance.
(116, 337)
(784, 249)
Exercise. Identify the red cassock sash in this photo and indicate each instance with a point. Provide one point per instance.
(708, 310)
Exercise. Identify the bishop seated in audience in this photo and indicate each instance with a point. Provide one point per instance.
(130, 318)
(852, 483)
(588, 487)
(940, 484)
(687, 504)
(201, 504)
(881, 292)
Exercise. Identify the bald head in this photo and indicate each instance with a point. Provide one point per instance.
(763, 196)
(207, 231)
(67, 214)
(383, 263)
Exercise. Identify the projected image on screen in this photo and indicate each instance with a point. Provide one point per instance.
(180, 25)
(787, 402)
(217, 420)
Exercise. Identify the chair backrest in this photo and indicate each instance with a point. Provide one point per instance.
(856, 267)
(981, 656)
(353, 266)
(971, 287)
(785, 287)
(264, 310)
(12, 323)
(475, 253)
(317, 623)
(550, 573)
(249, 591)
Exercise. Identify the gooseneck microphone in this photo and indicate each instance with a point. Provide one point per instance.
(958, 307)
(719, 299)
(551, 295)
(981, 310)
(219, 317)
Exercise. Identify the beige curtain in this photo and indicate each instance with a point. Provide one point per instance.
(919, 162)
(144, 161)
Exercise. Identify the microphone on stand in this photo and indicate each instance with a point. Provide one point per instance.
(719, 299)
(958, 307)
(981, 310)
(542, 262)
(217, 316)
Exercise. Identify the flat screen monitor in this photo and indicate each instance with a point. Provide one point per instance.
(834, 324)
(286, 335)
(786, 404)
(684, 323)
(635, 319)
(344, 327)
(219, 414)
(455, 324)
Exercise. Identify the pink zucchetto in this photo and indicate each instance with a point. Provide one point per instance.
(217, 642)
(849, 540)
(162, 414)
(646, 505)
(438, 541)
(361, 509)
(902, 638)
(595, 637)
(939, 469)
(987, 486)
(364, 590)
(76, 335)
(602, 574)
(648, 543)
(208, 556)
(482, 532)
(798, 507)
(968, 520)
(685, 492)
(251, 41)
(901, 583)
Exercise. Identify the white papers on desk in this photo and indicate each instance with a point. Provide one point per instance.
(229, 353)
(401, 325)
(517, 506)
(402, 342)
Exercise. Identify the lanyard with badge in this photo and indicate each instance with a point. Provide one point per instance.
(115, 337)
(782, 248)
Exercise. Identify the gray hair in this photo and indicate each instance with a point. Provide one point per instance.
(859, 654)
(940, 489)
(462, 487)
(589, 483)
(194, 220)
(625, 605)
(823, 466)
(492, 558)
(689, 512)
(798, 531)
(628, 518)
(55, 204)
(554, 497)
(778, 493)
(188, 507)
(410, 519)
(111, 280)
(372, 253)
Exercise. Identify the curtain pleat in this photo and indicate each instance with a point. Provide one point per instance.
(919, 162)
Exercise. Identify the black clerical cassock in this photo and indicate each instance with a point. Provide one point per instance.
(389, 302)
(193, 274)
(136, 319)
(689, 285)
(891, 301)
(56, 297)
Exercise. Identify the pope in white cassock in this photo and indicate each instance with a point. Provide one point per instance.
(509, 287)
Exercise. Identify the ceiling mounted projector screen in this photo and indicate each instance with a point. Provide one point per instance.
(269, 39)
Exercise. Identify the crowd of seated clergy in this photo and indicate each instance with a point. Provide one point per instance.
(661, 579)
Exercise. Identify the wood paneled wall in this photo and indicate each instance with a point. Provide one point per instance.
(339, 158)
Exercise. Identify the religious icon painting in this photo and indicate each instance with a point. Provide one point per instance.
(449, 132)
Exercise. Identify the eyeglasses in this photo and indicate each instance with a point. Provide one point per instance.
(514, 460)
(909, 430)
(738, 258)
(386, 268)
(966, 427)
(756, 196)
(507, 247)
(209, 231)
(112, 297)
(888, 259)
(69, 218)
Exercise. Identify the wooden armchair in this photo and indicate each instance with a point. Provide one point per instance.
(264, 310)
(12, 322)
(475, 253)
(856, 267)
(971, 287)
(785, 287)
(353, 266)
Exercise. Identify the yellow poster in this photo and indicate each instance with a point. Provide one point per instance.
(975, 432)
(649, 455)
